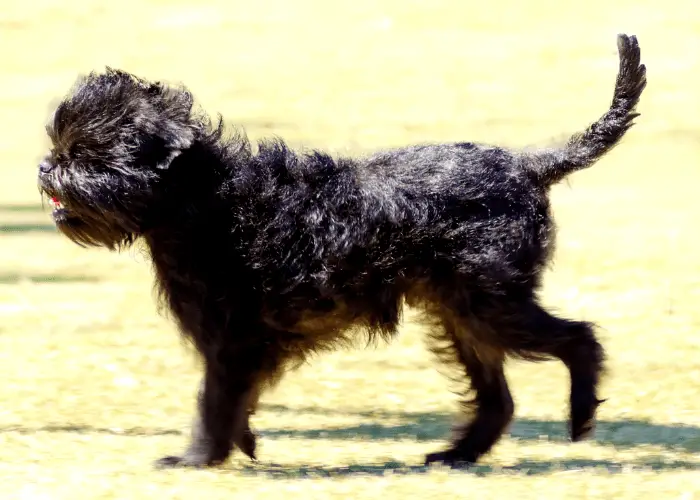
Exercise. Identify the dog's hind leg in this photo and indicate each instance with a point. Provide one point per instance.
(492, 403)
(535, 332)
(522, 328)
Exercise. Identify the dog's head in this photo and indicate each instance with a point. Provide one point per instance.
(112, 139)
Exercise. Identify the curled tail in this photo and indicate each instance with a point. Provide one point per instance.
(584, 149)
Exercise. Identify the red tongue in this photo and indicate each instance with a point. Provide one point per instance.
(55, 200)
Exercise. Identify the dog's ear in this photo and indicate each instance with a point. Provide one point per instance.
(174, 131)
(171, 155)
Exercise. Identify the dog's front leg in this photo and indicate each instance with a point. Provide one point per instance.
(222, 418)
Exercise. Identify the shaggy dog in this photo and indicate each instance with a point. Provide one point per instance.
(265, 257)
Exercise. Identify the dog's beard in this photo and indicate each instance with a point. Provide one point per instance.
(87, 226)
(91, 233)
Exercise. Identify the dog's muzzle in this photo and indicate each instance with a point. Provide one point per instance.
(59, 212)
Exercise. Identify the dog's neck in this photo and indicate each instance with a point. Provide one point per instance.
(187, 187)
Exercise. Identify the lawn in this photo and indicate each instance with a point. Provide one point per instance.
(96, 385)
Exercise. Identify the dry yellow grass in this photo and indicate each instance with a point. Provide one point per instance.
(95, 385)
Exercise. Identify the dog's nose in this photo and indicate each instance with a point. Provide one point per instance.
(45, 167)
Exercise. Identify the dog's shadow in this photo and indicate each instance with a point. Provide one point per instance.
(418, 426)
(437, 426)
(523, 467)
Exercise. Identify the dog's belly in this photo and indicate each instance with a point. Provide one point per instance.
(330, 322)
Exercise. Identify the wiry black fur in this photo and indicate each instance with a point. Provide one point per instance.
(266, 257)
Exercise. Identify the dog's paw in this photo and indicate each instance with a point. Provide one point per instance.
(247, 444)
(453, 457)
(582, 421)
(582, 430)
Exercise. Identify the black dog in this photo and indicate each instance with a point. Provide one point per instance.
(266, 257)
